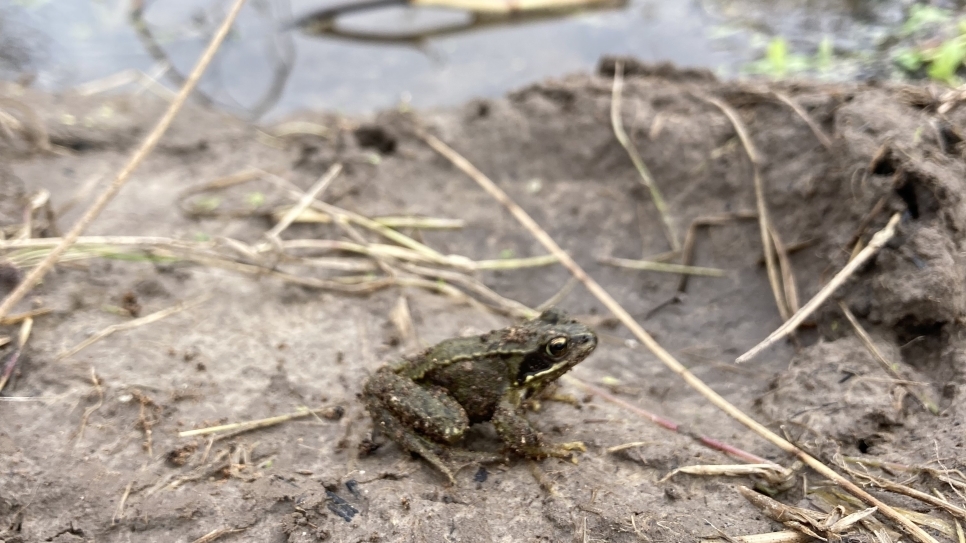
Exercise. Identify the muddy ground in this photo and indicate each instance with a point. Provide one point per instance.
(258, 347)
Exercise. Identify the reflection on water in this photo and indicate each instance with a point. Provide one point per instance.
(266, 66)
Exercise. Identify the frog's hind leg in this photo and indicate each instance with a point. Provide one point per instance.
(421, 419)
(429, 411)
(407, 439)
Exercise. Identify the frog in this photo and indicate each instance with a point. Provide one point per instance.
(426, 403)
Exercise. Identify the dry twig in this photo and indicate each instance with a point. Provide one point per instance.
(763, 221)
(618, 125)
(663, 267)
(96, 381)
(147, 319)
(217, 534)
(878, 240)
(238, 427)
(890, 367)
(14, 357)
(798, 109)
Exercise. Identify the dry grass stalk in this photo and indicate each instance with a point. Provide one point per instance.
(96, 382)
(31, 127)
(124, 78)
(618, 125)
(672, 426)
(788, 536)
(20, 317)
(369, 224)
(731, 470)
(764, 222)
(14, 357)
(687, 251)
(402, 319)
(662, 267)
(890, 367)
(824, 526)
(389, 221)
(304, 202)
(785, 267)
(878, 240)
(924, 497)
(800, 111)
(217, 534)
(608, 301)
(508, 7)
(130, 325)
(237, 427)
(482, 291)
(124, 175)
(119, 512)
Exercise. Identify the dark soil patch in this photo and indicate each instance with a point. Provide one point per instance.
(259, 348)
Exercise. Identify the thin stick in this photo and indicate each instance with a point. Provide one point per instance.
(885, 484)
(662, 267)
(255, 424)
(889, 367)
(90, 410)
(608, 301)
(618, 125)
(763, 222)
(14, 319)
(690, 237)
(217, 534)
(14, 356)
(305, 201)
(139, 155)
(819, 134)
(785, 266)
(878, 240)
(119, 512)
(673, 426)
(147, 319)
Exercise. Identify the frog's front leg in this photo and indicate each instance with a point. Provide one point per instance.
(515, 430)
(419, 419)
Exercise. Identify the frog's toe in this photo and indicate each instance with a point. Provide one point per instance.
(573, 446)
(566, 450)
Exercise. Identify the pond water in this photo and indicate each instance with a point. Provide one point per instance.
(268, 68)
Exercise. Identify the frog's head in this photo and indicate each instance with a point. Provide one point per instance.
(556, 343)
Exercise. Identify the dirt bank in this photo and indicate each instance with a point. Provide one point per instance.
(95, 455)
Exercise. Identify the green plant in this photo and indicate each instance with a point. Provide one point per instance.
(779, 62)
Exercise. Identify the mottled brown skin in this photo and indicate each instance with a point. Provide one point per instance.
(427, 402)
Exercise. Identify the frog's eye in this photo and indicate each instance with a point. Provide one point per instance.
(557, 347)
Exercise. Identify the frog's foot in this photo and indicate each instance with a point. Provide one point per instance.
(556, 450)
(560, 450)
(409, 440)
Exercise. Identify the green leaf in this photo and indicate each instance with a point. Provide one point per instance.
(777, 56)
(206, 204)
(947, 58)
(255, 199)
(823, 57)
(921, 16)
(909, 60)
